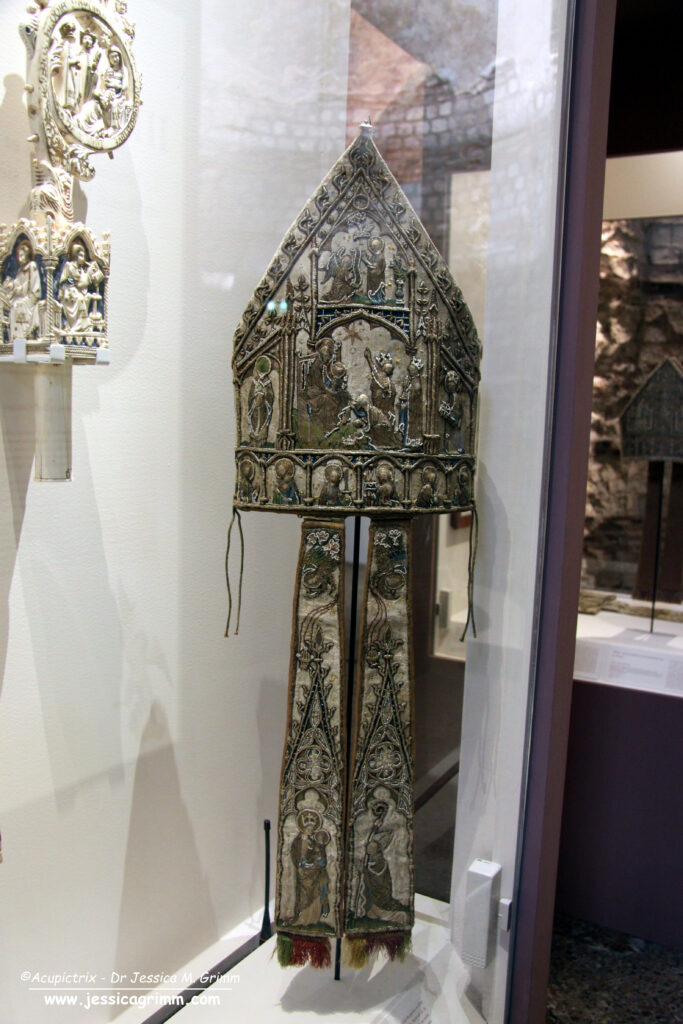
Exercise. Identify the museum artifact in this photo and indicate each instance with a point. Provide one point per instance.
(83, 98)
(637, 346)
(356, 369)
(652, 429)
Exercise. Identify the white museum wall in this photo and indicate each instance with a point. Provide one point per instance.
(139, 750)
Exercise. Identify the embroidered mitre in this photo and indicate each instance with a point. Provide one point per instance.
(356, 363)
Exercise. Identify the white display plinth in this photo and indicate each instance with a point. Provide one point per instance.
(427, 988)
(618, 650)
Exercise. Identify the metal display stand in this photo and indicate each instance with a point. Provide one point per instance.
(350, 679)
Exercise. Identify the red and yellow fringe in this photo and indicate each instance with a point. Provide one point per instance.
(359, 949)
(297, 951)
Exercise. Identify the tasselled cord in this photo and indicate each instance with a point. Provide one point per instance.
(474, 541)
(235, 513)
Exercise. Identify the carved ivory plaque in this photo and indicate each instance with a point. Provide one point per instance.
(54, 291)
(86, 87)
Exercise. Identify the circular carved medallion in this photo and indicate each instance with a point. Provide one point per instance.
(89, 83)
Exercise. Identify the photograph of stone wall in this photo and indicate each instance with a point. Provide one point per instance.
(640, 323)
(427, 84)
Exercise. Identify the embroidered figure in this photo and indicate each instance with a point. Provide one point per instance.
(452, 412)
(382, 388)
(249, 489)
(428, 495)
(285, 487)
(344, 269)
(375, 899)
(308, 852)
(260, 402)
(331, 493)
(411, 403)
(376, 265)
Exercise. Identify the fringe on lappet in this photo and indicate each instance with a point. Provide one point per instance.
(299, 950)
(358, 950)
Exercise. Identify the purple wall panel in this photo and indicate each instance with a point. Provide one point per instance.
(621, 852)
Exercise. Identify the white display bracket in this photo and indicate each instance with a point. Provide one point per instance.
(481, 904)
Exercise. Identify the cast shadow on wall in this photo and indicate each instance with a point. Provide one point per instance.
(270, 716)
(486, 662)
(16, 382)
(76, 632)
(18, 440)
(15, 154)
(76, 638)
(490, 664)
(175, 901)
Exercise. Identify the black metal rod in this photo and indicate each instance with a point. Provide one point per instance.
(436, 786)
(655, 579)
(350, 679)
(266, 930)
(205, 981)
(353, 620)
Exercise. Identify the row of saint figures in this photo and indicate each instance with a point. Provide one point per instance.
(381, 485)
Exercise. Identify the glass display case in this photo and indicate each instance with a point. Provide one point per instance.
(140, 749)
